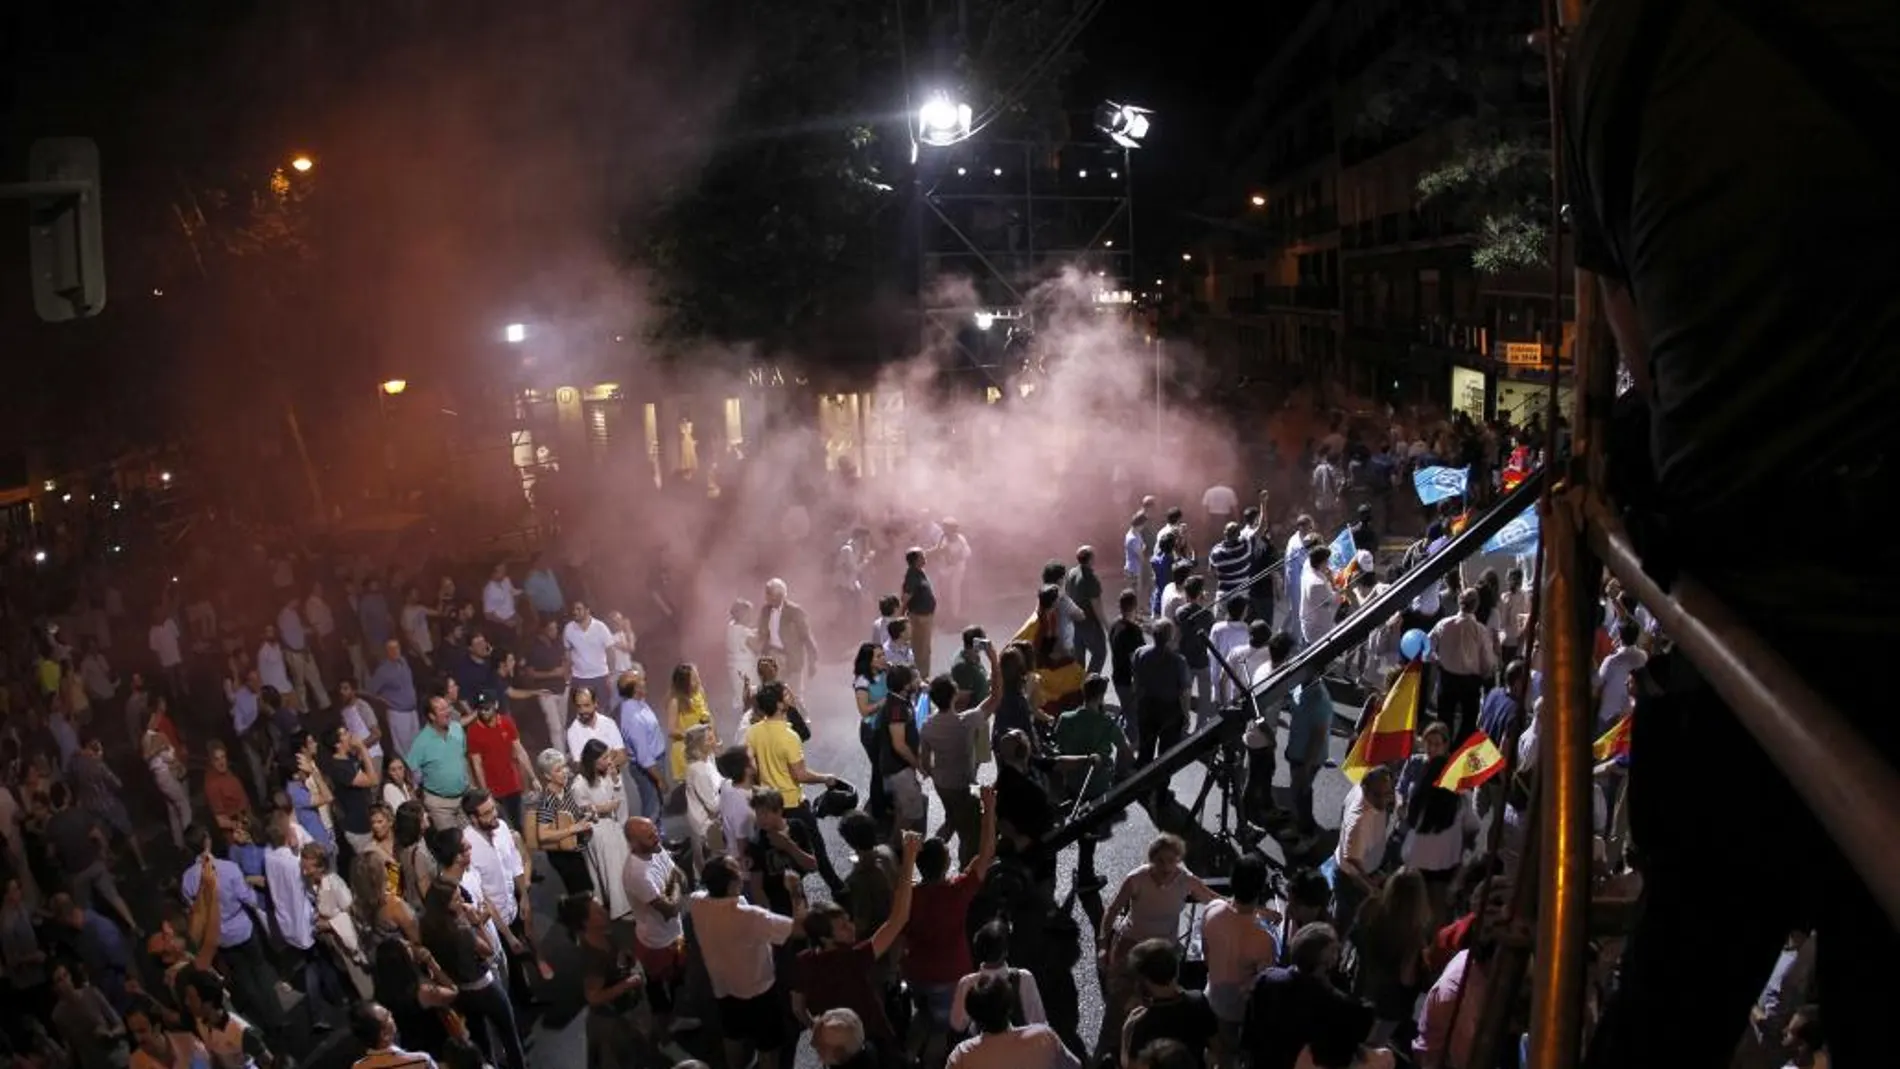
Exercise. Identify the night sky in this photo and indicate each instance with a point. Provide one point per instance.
(114, 69)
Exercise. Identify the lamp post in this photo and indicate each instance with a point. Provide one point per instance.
(385, 390)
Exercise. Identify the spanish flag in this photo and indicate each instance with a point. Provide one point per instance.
(1058, 685)
(1615, 742)
(1476, 761)
(1388, 737)
(1458, 524)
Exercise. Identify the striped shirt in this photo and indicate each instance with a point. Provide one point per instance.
(1231, 562)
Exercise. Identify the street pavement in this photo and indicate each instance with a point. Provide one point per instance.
(557, 1040)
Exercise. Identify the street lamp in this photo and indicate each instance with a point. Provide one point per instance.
(985, 320)
(515, 333)
(942, 122)
(1257, 201)
(395, 386)
(1125, 124)
(301, 163)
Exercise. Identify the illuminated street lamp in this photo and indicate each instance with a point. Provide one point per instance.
(942, 122)
(985, 320)
(1187, 257)
(1258, 201)
(395, 386)
(515, 333)
(301, 163)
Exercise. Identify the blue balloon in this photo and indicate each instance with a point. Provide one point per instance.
(1413, 644)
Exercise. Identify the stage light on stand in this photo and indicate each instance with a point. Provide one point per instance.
(1125, 124)
(985, 320)
(942, 122)
(515, 333)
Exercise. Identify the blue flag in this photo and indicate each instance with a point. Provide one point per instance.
(1438, 483)
(1344, 548)
(1519, 536)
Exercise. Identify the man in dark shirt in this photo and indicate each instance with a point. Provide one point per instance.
(1196, 622)
(1293, 1005)
(1125, 636)
(920, 607)
(474, 671)
(352, 779)
(78, 843)
(779, 854)
(968, 672)
(1161, 694)
(1167, 1011)
(1084, 588)
(897, 750)
(1732, 183)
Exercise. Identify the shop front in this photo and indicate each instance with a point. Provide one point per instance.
(1468, 392)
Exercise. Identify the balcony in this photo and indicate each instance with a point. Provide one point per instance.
(1285, 298)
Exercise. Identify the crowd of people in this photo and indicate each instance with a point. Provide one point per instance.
(332, 811)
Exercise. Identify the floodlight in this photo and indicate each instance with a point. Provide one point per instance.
(515, 333)
(985, 320)
(1125, 124)
(942, 121)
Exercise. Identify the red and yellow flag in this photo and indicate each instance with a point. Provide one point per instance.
(1615, 742)
(1459, 523)
(1476, 761)
(1388, 737)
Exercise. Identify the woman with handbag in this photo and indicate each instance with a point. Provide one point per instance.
(561, 828)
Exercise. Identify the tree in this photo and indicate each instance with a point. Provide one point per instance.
(1470, 70)
(795, 221)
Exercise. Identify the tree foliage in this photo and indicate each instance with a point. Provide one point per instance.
(796, 220)
(1468, 69)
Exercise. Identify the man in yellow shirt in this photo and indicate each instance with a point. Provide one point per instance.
(780, 758)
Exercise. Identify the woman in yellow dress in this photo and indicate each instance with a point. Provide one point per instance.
(686, 709)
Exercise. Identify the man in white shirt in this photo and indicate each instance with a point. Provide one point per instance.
(589, 643)
(990, 948)
(163, 640)
(1293, 564)
(1319, 598)
(499, 598)
(1613, 675)
(1000, 1045)
(273, 667)
(1220, 503)
(360, 721)
(1228, 637)
(294, 638)
(1467, 655)
(589, 725)
(1359, 858)
(375, 1028)
(1514, 607)
(657, 889)
(736, 939)
(741, 775)
(494, 856)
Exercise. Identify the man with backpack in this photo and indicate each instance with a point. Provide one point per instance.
(991, 949)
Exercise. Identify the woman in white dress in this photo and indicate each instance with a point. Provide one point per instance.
(597, 790)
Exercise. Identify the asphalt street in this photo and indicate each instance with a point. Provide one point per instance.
(557, 1039)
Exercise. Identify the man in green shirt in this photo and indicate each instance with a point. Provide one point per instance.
(968, 672)
(1091, 731)
(439, 757)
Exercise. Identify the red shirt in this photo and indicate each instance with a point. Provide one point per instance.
(1450, 940)
(495, 745)
(162, 723)
(937, 952)
(840, 978)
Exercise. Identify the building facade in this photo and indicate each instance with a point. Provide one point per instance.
(1328, 269)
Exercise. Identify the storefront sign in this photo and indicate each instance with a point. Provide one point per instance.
(1524, 353)
(772, 375)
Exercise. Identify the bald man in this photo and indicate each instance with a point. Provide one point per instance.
(657, 889)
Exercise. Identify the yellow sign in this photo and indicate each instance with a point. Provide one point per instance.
(1524, 353)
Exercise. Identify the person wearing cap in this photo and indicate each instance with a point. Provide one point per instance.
(952, 554)
(497, 760)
